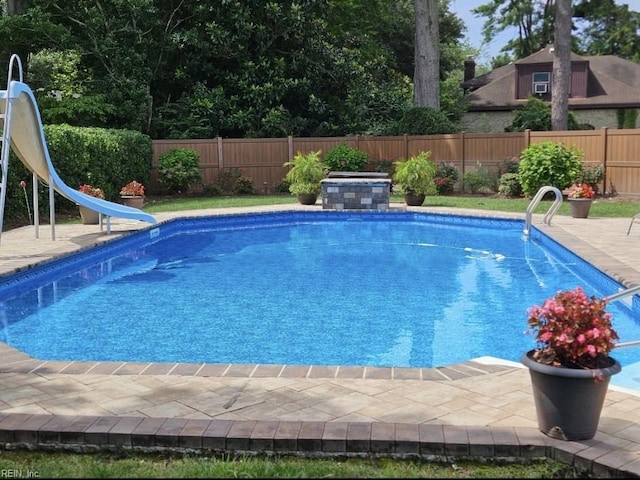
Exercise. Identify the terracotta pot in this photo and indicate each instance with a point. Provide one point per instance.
(568, 401)
(133, 201)
(580, 207)
(89, 217)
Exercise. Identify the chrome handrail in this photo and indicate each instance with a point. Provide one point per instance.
(534, 203)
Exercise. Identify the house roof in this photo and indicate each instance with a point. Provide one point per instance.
(613, 83)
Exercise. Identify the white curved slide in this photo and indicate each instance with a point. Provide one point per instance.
(29, 144)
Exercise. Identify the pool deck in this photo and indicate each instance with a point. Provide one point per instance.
(481, 408)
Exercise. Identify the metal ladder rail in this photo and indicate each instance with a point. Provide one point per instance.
(619, 296)
(534, 203)
(623, 293)
(6, 135)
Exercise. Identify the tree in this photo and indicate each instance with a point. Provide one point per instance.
(608, 29)
(238, 68)
(532, 19)
(561, 66)
(426, 77)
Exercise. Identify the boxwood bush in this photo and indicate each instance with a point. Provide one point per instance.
(104, 158)
(548, 163)
(343, 158)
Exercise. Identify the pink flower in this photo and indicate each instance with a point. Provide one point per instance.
(572, 329)
(580, 190)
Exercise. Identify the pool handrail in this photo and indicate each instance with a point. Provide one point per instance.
(534, 203)
(623, 294)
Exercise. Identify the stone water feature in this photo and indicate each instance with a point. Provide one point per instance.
(356, 191)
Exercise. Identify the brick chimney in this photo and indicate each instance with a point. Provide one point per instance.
(469, 69)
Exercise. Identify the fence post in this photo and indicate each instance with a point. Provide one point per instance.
(290, 147)
(406, 146)
(220, 159)
(604, 136)
(463, 156)
(526, 137)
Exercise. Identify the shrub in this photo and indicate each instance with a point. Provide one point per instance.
(212, 190)
(548, 163)
(447, 175)
(510, 165)
(473, 182)
(244, 186)
(343, 158)
(536, 115)
(178, 168)
(282, 186)
(510, 185)
(227, 178)
(591, 174)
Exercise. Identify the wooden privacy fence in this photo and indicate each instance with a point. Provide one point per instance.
(262, 159)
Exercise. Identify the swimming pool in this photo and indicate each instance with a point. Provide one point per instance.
(329, 288)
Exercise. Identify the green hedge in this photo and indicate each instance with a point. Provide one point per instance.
(105, 158)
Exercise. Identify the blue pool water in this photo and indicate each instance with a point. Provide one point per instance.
(330, 288)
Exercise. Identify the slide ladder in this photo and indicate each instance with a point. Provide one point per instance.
(534, 203)
(5, 117)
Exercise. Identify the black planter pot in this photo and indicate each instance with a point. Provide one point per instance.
(307, 198)
(568, 401)
(414, 199)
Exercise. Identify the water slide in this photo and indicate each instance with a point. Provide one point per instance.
(29, 144)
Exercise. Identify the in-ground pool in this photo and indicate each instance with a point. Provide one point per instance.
(328, 288)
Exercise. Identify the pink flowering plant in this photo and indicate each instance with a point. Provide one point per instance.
(91, 190)
(580, 190)
(132, 189)
(572, 330)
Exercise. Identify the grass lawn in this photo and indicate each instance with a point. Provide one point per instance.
(73, 465)
(601, 207)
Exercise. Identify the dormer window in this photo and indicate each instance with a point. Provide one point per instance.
(541, 82)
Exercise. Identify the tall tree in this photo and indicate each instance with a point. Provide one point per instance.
(426, 77)
(533, 20)
(608, 29)
(561, 77)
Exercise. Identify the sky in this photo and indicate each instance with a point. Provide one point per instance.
(474, 26)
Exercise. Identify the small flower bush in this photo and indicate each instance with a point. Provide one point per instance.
(92, 191)
(580, 190)
(572, 330)
(132, 189)
(446, 176)
(244, 186)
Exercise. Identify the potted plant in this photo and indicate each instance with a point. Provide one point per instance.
(570, 367)
(132, 194)
(305, 175)
(416, 178)
(580, 196)
(89, 216)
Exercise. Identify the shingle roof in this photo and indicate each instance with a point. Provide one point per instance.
(613, 83)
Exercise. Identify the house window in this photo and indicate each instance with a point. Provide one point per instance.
(541, 82)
